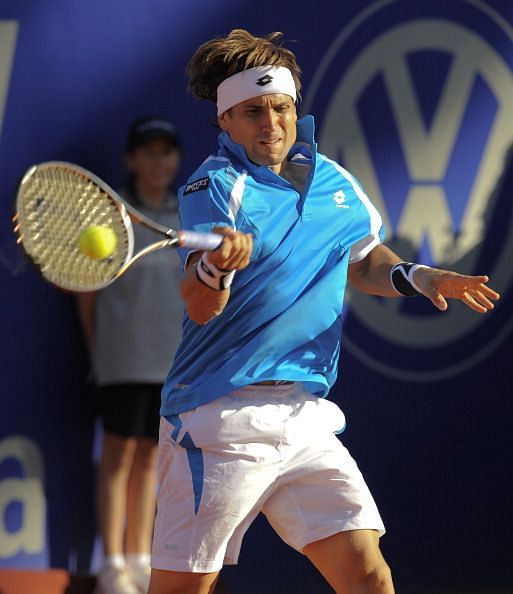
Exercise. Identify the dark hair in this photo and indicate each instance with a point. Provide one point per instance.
(148, 128)
(217, 59)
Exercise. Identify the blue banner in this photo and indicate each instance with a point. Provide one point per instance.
(415, 97)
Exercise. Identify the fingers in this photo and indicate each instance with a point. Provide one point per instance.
(477, 283)
(477, 299)
(235, 251)
(483, 299)
(490, 293)
(470, 290)
(475, 294)
(469, 301)
(239, 252)
(437, 300)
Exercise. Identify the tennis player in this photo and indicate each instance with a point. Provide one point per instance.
(245, 427)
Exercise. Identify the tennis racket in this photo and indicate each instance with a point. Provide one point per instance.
(57, 201)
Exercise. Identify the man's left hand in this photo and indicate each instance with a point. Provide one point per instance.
(437, 285)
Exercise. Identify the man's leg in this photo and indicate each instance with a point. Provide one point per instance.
(352, 563)
(181, 582)
(208, 497)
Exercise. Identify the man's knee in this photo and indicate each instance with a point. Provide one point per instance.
(178, 582)
(373, 580)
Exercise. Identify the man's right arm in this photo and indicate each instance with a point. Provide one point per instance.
(202, 302)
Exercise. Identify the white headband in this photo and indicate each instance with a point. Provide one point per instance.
(262, 80)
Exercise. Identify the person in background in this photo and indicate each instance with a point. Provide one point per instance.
(132, 329)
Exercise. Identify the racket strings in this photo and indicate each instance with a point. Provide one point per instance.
(57, 205)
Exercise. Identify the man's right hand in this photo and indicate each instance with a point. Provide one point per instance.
(202, 302)
(235, 251)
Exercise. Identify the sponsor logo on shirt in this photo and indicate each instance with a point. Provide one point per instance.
(195, 186)
(339, 199)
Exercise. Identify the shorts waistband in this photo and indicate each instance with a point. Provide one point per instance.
(269, 390)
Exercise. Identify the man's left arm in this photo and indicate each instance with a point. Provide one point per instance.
(372, 275)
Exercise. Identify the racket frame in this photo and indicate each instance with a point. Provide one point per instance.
(128, 215)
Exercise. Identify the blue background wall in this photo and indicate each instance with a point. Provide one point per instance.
(414, 97)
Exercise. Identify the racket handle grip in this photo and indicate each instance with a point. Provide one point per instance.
(200, 241)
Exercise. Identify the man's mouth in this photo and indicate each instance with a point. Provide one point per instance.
(270, 142)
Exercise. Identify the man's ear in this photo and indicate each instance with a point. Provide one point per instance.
(222, 120)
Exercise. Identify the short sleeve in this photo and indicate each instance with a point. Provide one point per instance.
(203, 204)
(363, 247)
(366, 225)
(372, 222)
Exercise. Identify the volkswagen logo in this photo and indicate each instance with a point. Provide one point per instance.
(422, 114)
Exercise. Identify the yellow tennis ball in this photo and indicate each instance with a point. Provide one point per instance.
(97, 242)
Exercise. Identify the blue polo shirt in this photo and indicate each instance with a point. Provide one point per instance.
(284, 316)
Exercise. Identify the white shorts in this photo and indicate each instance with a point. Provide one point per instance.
(262, 448)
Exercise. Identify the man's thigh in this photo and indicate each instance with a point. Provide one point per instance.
(321, 491)
(216, 470)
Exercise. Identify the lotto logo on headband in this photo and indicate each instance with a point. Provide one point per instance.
(264, 80)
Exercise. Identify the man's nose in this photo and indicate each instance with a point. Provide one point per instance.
(268, 120)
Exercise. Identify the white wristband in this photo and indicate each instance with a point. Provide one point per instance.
(412, 280)
(212, 276)
(401, 278)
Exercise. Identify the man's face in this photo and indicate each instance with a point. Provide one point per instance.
(265, 126)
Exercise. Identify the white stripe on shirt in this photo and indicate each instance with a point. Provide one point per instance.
(236, 197)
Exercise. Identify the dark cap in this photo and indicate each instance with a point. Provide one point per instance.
(144, 130)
